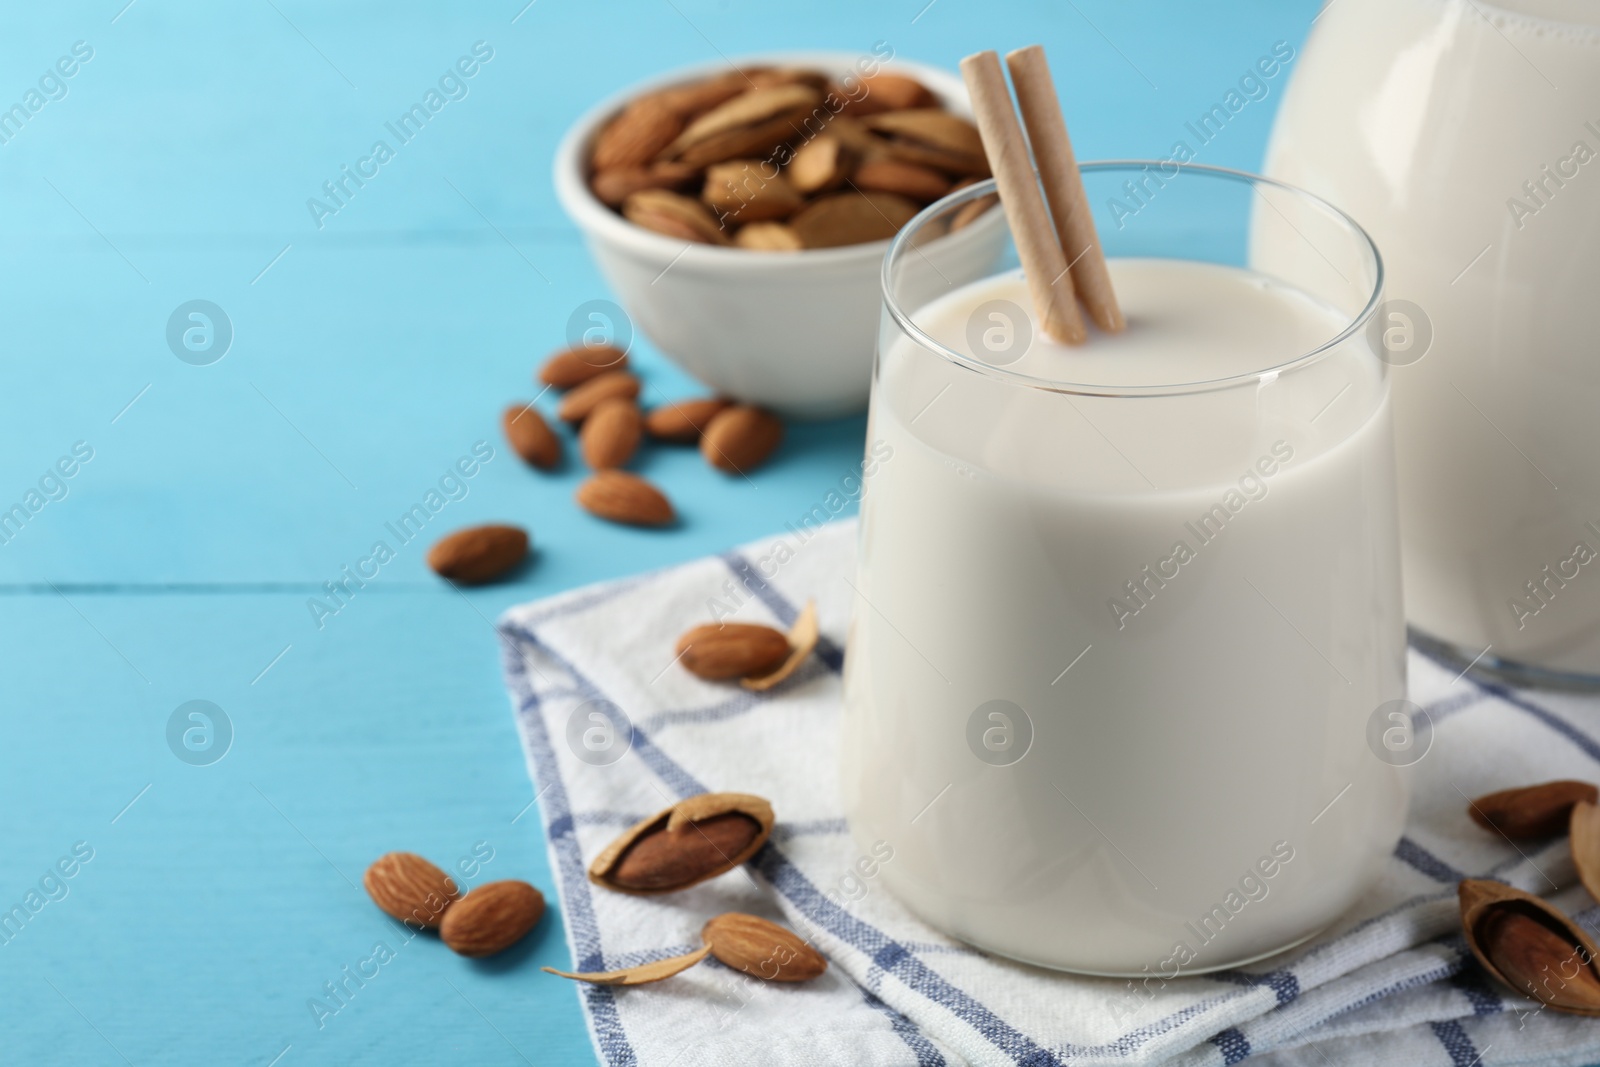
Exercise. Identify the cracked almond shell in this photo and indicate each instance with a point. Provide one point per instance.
(688, 843)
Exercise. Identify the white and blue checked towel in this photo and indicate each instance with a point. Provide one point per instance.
(1392, 983)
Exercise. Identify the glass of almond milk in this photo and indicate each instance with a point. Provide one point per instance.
(1465, 136)
(1125, 673)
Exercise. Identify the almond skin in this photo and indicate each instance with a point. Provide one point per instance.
(741, 438)
(576, 405)
(762, 949)
(531, 437)
(410, 888)
(618, 496)
(611, 433)
(720, 651)
(694, 840)
(492, 918)
(1532, 811)
(478, 553)
(571, 367)
(683, 421)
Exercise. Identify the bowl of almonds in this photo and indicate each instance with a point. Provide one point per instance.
(741, 213)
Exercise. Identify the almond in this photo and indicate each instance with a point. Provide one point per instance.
(720, 651)
(932, 138)
(572, 367)
(531, 437)
(821, 163)
(747, 125)
(1530, 946)
(697, 97)
(852, 218)
(643, 974)
(673, 215)
(741, 438)
(761, 949)
(618, 496)
(410, 888)
(693, 840)
(890, 92)
(741, 191)
(768, 237)
(1584, 840)
(683, 421)
(492, 918)
(478, 553)
(612, 187)
(637, 135)
(1532, 811)
(610, 434)
(578, 404)
(907, 179)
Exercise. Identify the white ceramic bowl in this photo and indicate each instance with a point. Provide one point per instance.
(792, 331)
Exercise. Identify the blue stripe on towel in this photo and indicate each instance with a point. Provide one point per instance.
(1413, 854)
(1232, 1044)
(778, 604)
(916, 1040)
(1456, 1042)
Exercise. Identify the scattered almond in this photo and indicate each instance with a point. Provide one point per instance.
(761, 949)
(610, 434)
(491, 918)
(640, 975)
(571, 367)
(1532, 811)
(618, 496)
(683, 421)
(478, 553)
(673, 215)
(693, 840)
(636, 136)
(721, 651)
(768, 237)
(741, 438)
(410, 888)
(1530, 946)
(907, 179)
(852, 218)
(803, 638)
(578, 404)
(531, 437)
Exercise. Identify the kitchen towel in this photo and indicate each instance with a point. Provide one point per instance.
(615, 729)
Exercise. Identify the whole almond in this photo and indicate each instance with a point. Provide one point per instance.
(852, 218)
(672, 215)
(1531, 811)
(612, 187)
(531, 437)
(637, 135)
(683, 421)
(741, 438)
(1530, 946)
(618, 496)
(907, 179)
(610, 434)
(743, 190)
(410, 888)
(720, 651)
(571, 367)
(693, 840)
(768, 237)
(761, 949)
(578, 404)
(478, 553)
(492, 918)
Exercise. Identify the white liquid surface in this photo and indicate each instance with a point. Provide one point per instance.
(1426, 119)
(1173, 748)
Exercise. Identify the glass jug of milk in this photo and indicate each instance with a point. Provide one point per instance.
(1465, 137)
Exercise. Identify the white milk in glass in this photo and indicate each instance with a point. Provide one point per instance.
(1465, 137)
(1114, 658)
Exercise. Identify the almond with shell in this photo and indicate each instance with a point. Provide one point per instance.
(1530, 947)
(491, 918)
(748, 190)
(923, 184)
(410, 888)
(768, 237)
(1532, 811)
(749, 124)
(613, 187)
(688, 843)
(932, 138)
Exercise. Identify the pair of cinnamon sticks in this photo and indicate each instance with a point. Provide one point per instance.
(1059, 248)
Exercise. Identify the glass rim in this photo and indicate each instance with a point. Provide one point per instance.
(901, 245)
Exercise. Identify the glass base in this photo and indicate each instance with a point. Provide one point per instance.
(1493, 668)
(1186, 972)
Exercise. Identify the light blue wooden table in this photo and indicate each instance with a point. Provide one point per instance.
(175, 164)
